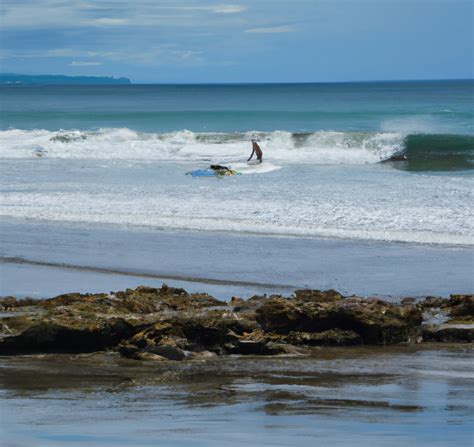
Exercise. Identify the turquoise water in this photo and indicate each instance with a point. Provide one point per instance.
(439, 107)
(432, 122)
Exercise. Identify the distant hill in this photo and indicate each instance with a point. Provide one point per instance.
(20, 79)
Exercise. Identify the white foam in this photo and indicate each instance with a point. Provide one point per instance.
(184, 146)
(340, 200)
(341, 203)
(262, 168)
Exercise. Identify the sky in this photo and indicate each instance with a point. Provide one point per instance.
(206, 41)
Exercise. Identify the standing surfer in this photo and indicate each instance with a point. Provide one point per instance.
(256, 150)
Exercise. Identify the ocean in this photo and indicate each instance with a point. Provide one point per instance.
(95, 197)
(119, 155)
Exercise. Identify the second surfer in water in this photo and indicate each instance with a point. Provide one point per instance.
(256, 150)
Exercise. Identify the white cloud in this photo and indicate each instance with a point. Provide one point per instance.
(108, 21)
(84, 64)
(271, 30)
(153, 56)
(228, 9)
(63, 13)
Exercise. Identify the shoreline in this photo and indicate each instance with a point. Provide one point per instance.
(137, 274)
(235, 264)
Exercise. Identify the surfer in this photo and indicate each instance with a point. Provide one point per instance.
(256, 150)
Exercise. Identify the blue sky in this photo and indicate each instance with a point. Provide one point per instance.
(239, 41)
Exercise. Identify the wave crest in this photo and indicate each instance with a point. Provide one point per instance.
(424, 151)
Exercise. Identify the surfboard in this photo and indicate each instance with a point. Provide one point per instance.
(212, 173)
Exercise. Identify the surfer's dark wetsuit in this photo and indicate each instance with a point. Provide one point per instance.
(219, 168)
(257, 151)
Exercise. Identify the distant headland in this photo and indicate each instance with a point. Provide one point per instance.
(21, 79)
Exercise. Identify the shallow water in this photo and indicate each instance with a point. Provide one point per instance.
(43, 259)
(357, 396)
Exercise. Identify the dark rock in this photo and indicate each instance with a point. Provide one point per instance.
(236, 301)
(376, 321)
(53, 337)
(318, 295)
(449, 333)
(10, 302)
(167, 351)
(279, 315)
(332, 337)
(169, 324)
(253, 347)
(461, 305)
(432, 302)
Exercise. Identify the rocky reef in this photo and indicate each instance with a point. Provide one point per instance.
(170, 324)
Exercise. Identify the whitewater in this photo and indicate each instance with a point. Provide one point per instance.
(187, 146)
(329, 184)
(119, 156)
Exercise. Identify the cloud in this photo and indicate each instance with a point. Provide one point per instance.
(112, 13)
(108, 21)
(84, 64)
(227, 9)
(271, 30)
(152, 56)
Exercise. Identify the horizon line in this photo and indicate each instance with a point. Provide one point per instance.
(303, 82)
(132, 82)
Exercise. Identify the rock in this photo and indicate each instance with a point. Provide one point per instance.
(47, 336)
(284, 348)
(149, 356)
(252, 347)
(201, 355)
(449, 333)
(432, 302)
(10, 302)
(249, 306)
(236, 301)
(128, 350)
(167, 351)
(460, 308)
(461, 305)
(165, 290)
(375, 321)
(318, 295)
(170, 324)
(332, 337)
(279, 315)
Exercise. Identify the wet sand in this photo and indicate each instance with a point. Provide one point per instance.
(101, 258)
(358, 396)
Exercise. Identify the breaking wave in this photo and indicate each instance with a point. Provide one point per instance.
(423, 151)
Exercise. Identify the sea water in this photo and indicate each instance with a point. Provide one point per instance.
(120, 154)
(96, 177)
